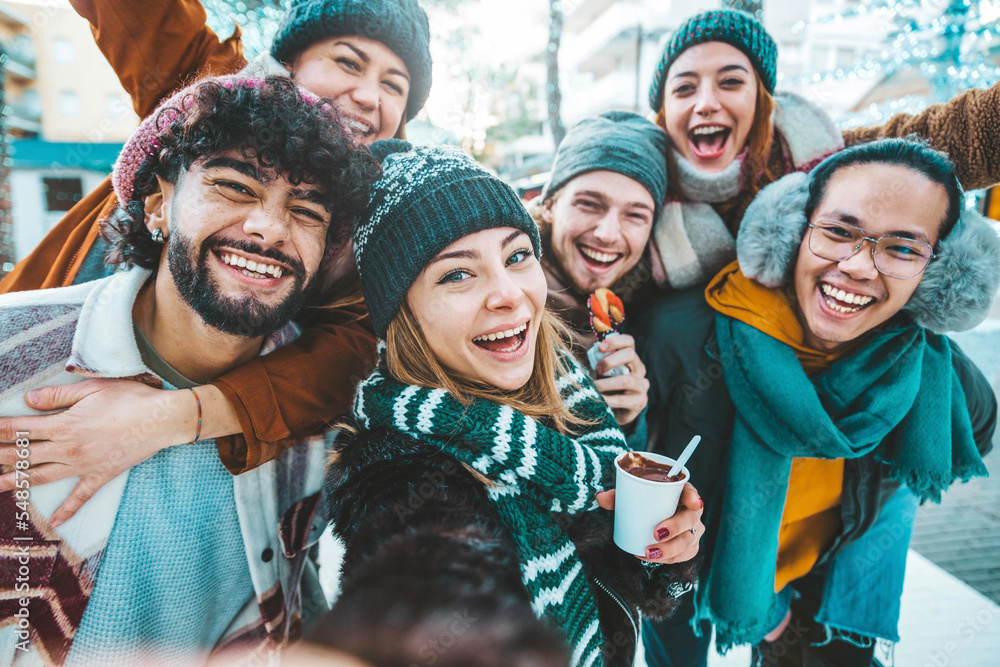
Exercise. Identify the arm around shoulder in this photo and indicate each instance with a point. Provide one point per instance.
(967, 128)
(296, 390)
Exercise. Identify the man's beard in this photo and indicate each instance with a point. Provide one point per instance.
(238, 316)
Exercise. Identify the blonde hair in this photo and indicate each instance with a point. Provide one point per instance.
(411, 361)
(758, 144)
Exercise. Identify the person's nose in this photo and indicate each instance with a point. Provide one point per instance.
(861, 265)
(365, 94)
(504, 292)
(268, 225)
(706, 101)
(609, 229)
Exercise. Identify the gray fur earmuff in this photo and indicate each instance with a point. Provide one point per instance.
(956, 289)
(772, 230)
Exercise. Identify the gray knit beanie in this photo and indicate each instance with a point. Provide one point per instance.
(428, 198)
(399, 24)
(720, 25)
(618, 141)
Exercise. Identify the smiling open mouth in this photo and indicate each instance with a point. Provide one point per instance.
(844, 302)
(503, 341)
(249, 267)
(598, 258)
(359, 127)
(709, 141)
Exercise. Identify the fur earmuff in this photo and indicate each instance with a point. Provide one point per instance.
(959, 284)
(956, 289)
(772, 230)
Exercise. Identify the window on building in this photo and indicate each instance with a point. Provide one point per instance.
(69, 104)
(62, 193)
(62, 51)
(115, 106)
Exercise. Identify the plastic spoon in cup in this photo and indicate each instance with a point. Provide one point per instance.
(685, 455)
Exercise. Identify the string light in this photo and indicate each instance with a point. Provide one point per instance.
(955, 49)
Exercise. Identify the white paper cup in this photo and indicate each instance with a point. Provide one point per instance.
(640, 504)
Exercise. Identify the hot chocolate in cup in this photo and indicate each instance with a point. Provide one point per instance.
(644, 498)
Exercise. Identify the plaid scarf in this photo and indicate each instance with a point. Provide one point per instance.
(540, 474)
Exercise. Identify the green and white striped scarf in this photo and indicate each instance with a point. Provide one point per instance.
(541, 476)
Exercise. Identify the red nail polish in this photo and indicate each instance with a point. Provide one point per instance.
(653, 554)
(662, 534)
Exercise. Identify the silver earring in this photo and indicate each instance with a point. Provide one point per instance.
(157, 235)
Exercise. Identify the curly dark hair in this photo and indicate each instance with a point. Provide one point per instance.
(270, 120)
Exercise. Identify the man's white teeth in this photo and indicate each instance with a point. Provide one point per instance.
(708, 130)
(502, 334)
(858, 300)
(253, 269)
(603, 257)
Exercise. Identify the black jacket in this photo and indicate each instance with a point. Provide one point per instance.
(430, 575)
(688, 396)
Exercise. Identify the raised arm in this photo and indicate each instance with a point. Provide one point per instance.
(967, 128)
(156, 45)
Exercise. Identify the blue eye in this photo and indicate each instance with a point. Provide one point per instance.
(456, 276)
(518, 257)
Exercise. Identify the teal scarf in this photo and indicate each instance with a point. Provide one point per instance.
(896, 397)
(540, 476)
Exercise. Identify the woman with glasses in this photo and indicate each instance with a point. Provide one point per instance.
(827, 391)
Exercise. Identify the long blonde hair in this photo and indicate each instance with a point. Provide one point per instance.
(758, 144)
(411, 361)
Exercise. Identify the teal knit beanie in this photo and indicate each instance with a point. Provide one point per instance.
(721, 25)
(428, 198)
(618, 141)
(399, 24)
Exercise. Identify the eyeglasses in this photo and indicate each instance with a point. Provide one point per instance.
(894, 256)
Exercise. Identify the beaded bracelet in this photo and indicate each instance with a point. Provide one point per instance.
(197, 436)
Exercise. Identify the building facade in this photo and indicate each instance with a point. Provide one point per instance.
(67, 117)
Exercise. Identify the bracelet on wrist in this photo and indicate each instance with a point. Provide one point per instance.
(197, 435)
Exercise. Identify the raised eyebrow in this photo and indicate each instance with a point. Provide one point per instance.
(248, 169)
(841, 216)
(364, 58)
(398, 73)
(510, 239)
(727, 68)
(312, 196)
(458, 254)
(731, 68)
(358, 52)
(596, 195)
(913, 236)
(682, 74)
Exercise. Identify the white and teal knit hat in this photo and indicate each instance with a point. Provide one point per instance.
(428, 198)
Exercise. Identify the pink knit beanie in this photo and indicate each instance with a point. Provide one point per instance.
(147, 139)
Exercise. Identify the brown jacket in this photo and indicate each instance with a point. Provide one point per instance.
(966, 128)
(155, 46)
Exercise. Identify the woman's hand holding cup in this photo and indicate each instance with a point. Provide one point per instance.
(676, 539)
